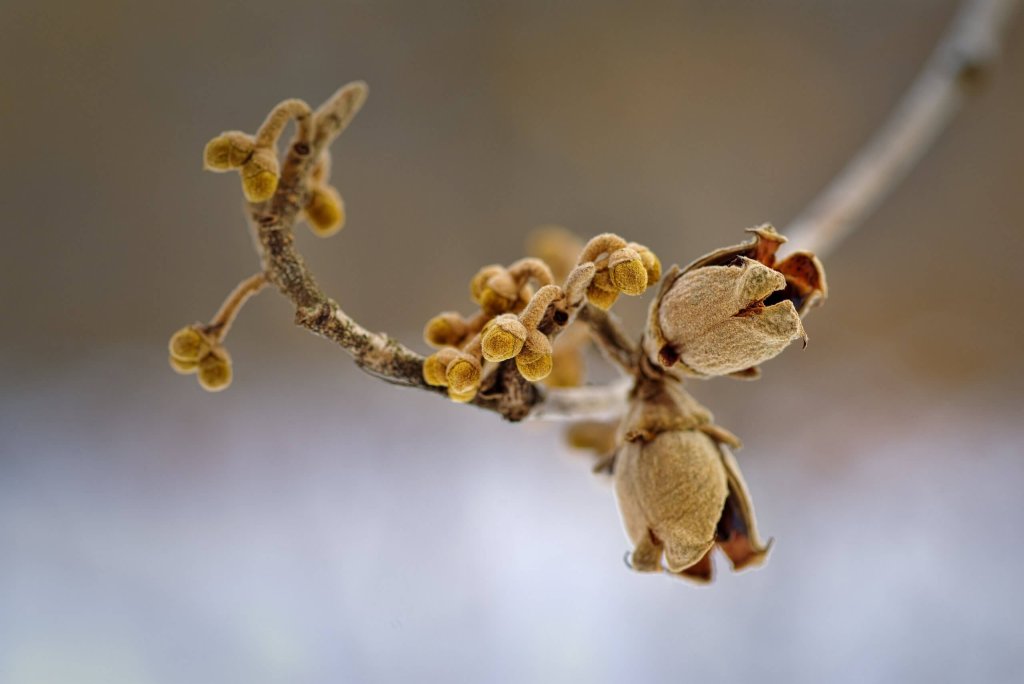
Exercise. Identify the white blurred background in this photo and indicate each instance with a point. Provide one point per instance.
(314, 525)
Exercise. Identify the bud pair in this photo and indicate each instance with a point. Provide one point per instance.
(258, 166)
(192, 351)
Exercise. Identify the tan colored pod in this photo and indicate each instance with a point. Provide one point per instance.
(671, 493)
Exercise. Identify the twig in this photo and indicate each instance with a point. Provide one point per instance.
(962, 59)
(607, 331)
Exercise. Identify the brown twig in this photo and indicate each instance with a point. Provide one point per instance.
(962, 59)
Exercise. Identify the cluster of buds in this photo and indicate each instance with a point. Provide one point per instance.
(193, 349)
(514, 322)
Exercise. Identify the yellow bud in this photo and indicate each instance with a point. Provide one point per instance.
(182, 367)
(627, 271)
(325, 211)
(535, 361)
(494, 304)
(461, 397)
(188, 344)
(445, 330)
(651, 263)
(463, 374)
(476, 285)
(435, 366)
(600, 297)
(503, 338)
(215, 371)
(260, 175)
(227, 151)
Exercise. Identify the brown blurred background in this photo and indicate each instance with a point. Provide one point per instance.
(312, 524)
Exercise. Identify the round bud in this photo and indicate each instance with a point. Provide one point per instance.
(215, 371)
(627, 271)
(227, 151)
(260, 175)
(182, 367)
(600, 297)
(535, 361)
(503, 338)
(463, 374)
(325, 211)
(479, 281)
(462, 397)
(188, 344)
(651, 264)
(445, 330)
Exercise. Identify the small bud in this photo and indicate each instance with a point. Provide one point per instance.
(260, 175)
(435, 367)
(462, 397)
(215, 371)
(463, 374)
(188, 344)
(627, 271)
(535, 361)
(183, 367)
(601, 292)
(503, 338)
(651, 263)
(479, 281)
(445, 330)
(227, 151)
(325, 211)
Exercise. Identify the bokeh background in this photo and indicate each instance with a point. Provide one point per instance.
(314, 525)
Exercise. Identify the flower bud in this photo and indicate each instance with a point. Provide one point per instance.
(445, 330)
(463, 374)
(714, 319)
(183, 367)
(602, 292)
(503, 338)
(325, 211)
(188, 344)
(215, 371)
(462, 397)
(227, 151)
(650, 261)
(435, 367)
(627, 271)
(260, 175)
(535, 361)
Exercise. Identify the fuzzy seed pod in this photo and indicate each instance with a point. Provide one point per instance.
(627, 271)
(503, 338)
(715, 320)
(463, 374)
(325, 211)
(679, 489)
(215, 371)
(535, 361)
(188, 345)
(227, 151)
(435, 367)
(260, 175)
(446, 329)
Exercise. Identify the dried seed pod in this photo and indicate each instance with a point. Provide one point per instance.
(627, 271)
(446, 329)
(535, 360)
(463, 374)
(260, 175)
(215, 371)
(503, 338)
(680, 491)
(188, 344)
(714, 320)
(325, 211)
(227, 151)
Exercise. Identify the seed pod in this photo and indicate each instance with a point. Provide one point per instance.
(714, 319)
(215, 371)
(627, 271)
(227, 151)
(325, 211)
(503, 338)
(260, 175)
(680, 491)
